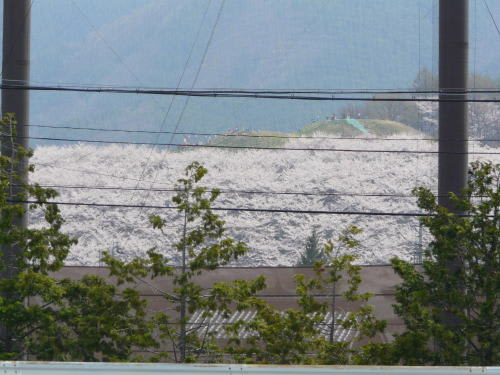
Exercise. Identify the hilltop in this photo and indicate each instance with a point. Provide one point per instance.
(359, 127)
(340, 128)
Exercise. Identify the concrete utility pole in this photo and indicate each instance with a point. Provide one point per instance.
(15, 67)
(453, 71)
(453, 134)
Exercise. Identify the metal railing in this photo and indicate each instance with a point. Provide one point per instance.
(87, 368)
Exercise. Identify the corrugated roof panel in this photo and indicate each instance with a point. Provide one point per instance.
(216, 324)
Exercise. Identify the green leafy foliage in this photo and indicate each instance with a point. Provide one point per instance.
(274, 336)
(93, 323)
(362, 320)
(296, 335)
(469, 243)
(42, 317)
(203, 247)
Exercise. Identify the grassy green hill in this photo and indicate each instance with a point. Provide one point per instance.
(253, 139)
(340, 128)
(379, 128)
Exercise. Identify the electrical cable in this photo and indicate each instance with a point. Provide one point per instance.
(492, 17)
(241, 209)
(122, 61)
(230, 191)
(231, 209)
(179, 81)
(187, 145)
(91, 172)
(195, 80)
(243, 135)
(108, 45)
(329, 91)
(249, 95)
(223, 191)
(236, 191)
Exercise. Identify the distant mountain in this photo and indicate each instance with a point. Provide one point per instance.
(255, 44)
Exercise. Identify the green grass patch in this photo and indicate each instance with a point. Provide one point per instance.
(252, 139)
(336, 128)
(378, 128)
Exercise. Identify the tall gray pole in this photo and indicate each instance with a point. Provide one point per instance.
(15, 68)
(453, 134)
(453, 71)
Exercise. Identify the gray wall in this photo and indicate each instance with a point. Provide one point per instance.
(280, 291)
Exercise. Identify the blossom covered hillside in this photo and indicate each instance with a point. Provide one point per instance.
(350, 179)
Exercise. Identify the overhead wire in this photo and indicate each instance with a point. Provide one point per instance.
(254, 95)
(52, 165)
(200, 66)
(492, 17)
(240, 209)
(239, 191)
(335, 91)
(316, 96)
(247, 134)
(14, 83)
(106, 43)
(121, 60)
(223, 191)
(419, 54)
(195, 81)
(179, 81)
(230, 191)
(230, 209)
(474, 106)
(229, 147)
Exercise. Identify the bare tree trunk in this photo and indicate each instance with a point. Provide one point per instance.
(182, 333)
(332, 307)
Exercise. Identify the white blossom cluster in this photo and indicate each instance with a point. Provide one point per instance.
(484, 119)
(274, 238)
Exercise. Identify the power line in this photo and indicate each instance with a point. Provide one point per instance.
(247, 147)
(221, 190)
(229, 191)
(244, 134)
(181, 77)
(233, 209)
(236, 191)
(92, 172)
(249, 95)
(491, 16)
(239, 90)
(242, 209)
(108, 45)
(200, 66)
(117, 55)
(197, 75)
